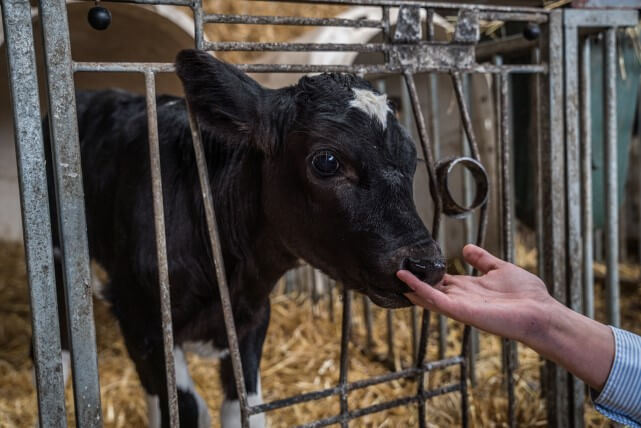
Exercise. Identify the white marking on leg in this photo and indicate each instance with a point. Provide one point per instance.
(205, 349)
(230, 410)
(153, 411)
(372, 104)
(186, 384)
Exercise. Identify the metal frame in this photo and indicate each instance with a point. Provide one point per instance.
(405, 53)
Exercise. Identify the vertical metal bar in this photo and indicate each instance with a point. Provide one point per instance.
(199, 34)
(507, 230)
(553, 199)
(573, 203)
(219, 265)
(161, 248)
(611, 196)
(18, 32)
(346, 324)
(586, 179)
(391, 354)
(436, 197)
(71, 211)
(473, 346)
(367, 315)
(415, 332)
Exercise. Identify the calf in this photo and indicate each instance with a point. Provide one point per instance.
(320, 171)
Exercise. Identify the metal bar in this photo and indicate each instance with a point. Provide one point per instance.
(507, 229)
(71, 211)
(346, 325)
(382, 69)
(218, 18)
(295, 47)
(404, 401)
(503, 46)
(573, 202)
(199, 33)
(436, 198)
(367, 315)
(553, 200)
(611, 196)
(465, 352)
(391, 354)
(353, 386)
(161, 248)
(221, 277)
(535, 12)
(34, 200)
(600, 18)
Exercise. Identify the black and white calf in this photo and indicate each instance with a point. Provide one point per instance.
(320, 171)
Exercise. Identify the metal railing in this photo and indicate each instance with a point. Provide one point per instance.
(562, 174)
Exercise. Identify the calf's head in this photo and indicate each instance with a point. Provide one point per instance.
(336, 173)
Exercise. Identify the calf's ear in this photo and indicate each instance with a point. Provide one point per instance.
(222, 97)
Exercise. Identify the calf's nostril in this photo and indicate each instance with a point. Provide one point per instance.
(417, 266)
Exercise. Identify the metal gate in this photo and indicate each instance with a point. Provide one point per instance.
(407, 49)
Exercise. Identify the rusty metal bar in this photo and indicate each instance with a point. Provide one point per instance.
(553, 200)
(506, 11)
(346, 324)
(161, 248)
(573, 202)
(218, 18)
(221, 277)
(199, 33)
(360, 384)
(34, 200)
(507, 232)
(367, 317)
(381, 69)
(436, 198)
(404, 401)
(611, 196)
(71, 211)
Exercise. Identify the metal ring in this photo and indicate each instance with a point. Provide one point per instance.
(452, 208)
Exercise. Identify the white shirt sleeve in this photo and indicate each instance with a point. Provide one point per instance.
(620, 399)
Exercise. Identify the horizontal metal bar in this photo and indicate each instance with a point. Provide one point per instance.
(295, 47)
(607, 4)
(504, 46)
(599, 18)
(424, 4)
(124, 67)
(188, 3)
(540, 17)
(403, 401)
(388, 377)
(159, 67)
(290, 20)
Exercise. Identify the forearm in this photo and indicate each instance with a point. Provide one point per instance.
(581, 345)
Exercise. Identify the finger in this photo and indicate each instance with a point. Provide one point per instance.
(481, 259)
(426, 295)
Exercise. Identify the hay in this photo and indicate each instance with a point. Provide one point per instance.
(301, 355)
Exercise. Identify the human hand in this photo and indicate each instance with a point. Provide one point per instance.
(506, 300)
(511, 302)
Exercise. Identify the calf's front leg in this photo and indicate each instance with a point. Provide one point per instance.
(251, 349)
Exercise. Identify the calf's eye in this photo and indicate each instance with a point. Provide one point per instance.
(325, 163)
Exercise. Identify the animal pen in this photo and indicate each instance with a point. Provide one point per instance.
(406, 50)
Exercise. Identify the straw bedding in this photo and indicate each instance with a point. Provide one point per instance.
(301, 354)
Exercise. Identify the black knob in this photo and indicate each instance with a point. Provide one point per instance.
(532, 31)
(99, 17)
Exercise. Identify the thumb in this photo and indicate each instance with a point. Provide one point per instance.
(481, 259)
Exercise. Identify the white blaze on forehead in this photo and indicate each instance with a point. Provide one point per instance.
(372, 104)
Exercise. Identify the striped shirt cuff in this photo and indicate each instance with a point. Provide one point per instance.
(620, 399)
